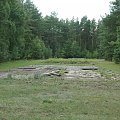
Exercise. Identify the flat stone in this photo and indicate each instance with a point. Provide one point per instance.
(89, 68)
(27, 68)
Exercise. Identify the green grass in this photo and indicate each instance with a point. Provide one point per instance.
(14, 64)
(106, 65)
(57, 98)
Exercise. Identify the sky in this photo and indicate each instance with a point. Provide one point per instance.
(77, 8)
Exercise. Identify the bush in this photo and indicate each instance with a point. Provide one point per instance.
(38, 50)
(116, 55)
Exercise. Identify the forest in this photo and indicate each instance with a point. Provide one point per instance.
(26, 34)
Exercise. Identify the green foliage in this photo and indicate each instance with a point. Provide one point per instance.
(39, 51)
(4, 26)
(31, 36)
(109, 34)
(4, 53)
(67, 49)
(75, 50)
(24, 33)
(88, 54)
(95, 54)
(71, 50)
(116, 56)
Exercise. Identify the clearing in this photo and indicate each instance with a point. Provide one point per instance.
(72, 89)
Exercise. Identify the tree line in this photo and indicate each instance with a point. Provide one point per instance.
(26, 34)
(109, 34)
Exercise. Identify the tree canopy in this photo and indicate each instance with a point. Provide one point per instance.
(26, 34)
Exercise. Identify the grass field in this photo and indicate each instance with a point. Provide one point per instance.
(10, 65)
(58, 98)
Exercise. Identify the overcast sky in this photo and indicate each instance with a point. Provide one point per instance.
(76, 8)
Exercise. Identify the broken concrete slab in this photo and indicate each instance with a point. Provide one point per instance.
(89, 68)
